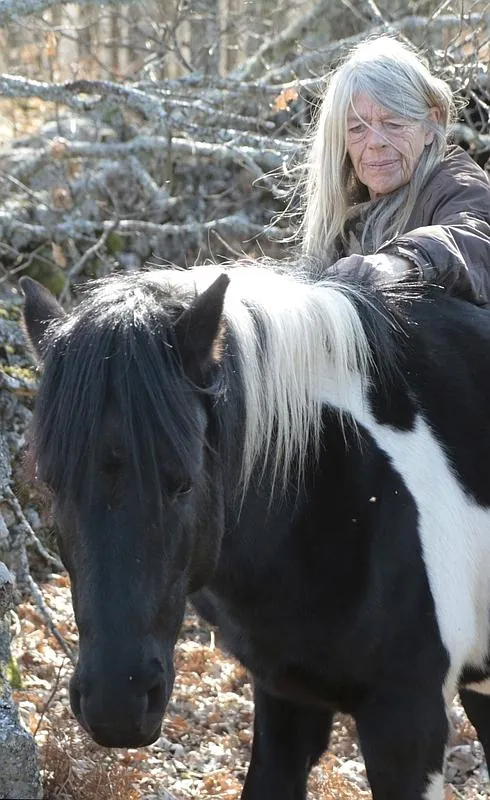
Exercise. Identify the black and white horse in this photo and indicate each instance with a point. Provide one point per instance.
(308, 459)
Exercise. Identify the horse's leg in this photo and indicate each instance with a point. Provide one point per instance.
(403, 732)
(288, 741)
(477, 707)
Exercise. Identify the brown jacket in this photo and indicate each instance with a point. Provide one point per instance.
(448, 234)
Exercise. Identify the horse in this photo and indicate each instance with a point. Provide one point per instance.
(305, 455)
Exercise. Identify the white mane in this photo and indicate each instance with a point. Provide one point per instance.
(310, 342)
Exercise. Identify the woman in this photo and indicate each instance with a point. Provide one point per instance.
(382, 181)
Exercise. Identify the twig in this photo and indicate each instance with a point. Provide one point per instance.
(27, 582)
(215, 117)
(375, 14)
(50, 698)
(23, 188)
(235, 253)
(44, 611)
(34, 254)
(296, 30)
(92, 251)
(27, 530)
(19, 386)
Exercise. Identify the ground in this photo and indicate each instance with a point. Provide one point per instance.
(205, 743)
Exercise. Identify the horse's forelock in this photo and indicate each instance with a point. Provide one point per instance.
(115, 350)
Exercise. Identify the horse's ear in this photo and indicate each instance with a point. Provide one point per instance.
(199, 328)
(40, 309)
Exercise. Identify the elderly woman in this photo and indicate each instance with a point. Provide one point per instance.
(382, 181)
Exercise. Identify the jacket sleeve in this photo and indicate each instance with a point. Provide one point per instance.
(454, 250)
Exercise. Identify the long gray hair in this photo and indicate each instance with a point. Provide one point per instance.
(395, 77)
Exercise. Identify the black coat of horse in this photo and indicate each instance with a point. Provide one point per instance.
(308, 459)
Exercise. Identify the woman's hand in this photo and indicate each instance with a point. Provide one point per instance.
(392, 266)
(389, 266)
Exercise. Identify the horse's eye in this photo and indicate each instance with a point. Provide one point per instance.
(112, 465)
(181, 489)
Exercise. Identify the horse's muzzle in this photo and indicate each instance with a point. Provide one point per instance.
(121, 713)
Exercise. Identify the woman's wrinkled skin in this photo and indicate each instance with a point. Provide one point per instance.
(384, 148)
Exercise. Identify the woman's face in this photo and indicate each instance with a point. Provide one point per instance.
(384, 148)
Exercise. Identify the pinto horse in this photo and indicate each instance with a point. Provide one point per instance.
(308, 459)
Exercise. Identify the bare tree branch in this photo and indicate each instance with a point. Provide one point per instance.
(237, 224)
(11, 10)
(479, 141)
(216, 88)
(77, 268)
(260, 61)
(25, 162)
(319, 60)
(27, 530)
(20, 386)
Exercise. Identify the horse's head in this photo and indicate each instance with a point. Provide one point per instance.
(123, 435)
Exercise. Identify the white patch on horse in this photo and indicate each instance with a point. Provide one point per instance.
(482, 687)
(435, 789)
(454, 532)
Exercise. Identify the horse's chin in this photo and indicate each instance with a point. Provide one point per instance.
(128, 742)
(131, 741)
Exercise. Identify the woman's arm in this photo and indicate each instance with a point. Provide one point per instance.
(454, 250)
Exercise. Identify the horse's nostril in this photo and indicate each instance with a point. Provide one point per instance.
(75, 699)
(156, 698)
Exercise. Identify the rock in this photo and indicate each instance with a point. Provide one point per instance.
(6, 589)
(4, 533)
(11, 333)
(457, 719)
(173, 748)
(33, 518)
(461, 761)
(8, 519)
(5, 469)
(355, 772)
(129, 261)
(19, 773)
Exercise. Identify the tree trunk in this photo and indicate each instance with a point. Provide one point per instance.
(204, 24)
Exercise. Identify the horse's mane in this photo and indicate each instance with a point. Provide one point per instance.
(297, 326)
(291, 331)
